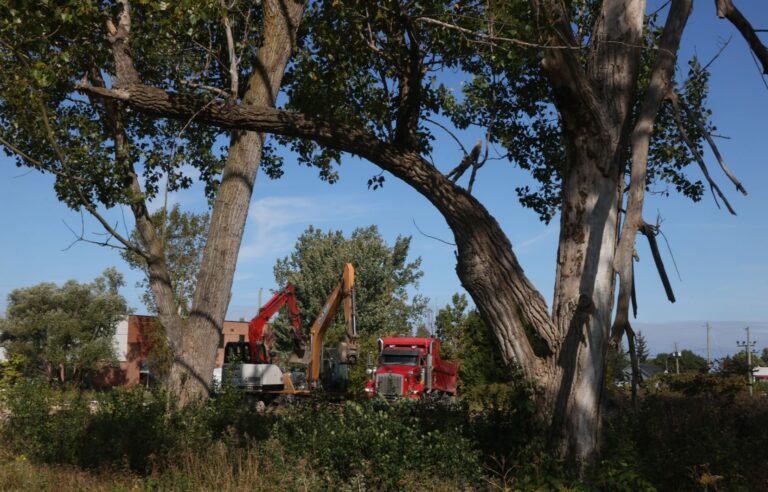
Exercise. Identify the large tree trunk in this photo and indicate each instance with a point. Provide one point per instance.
(195, 359)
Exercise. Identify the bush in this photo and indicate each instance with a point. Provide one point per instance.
(378, 443)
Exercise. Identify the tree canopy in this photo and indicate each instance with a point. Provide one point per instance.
(383, 277)
(65, 332)
(183, 236)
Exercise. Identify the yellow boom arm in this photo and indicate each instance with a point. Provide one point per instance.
(342, 293)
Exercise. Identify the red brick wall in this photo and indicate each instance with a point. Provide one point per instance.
(129, 371)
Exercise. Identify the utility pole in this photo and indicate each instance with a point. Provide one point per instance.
(709, 354)
(747, 346)
(677, 360)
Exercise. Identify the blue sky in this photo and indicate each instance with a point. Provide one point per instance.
(721, 258)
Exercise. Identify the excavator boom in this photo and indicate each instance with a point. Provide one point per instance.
(258, 350)
(343, 293)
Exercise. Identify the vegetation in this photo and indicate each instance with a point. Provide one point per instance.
(544, 86)
(64, 332)
(690, 433)
(183, 236)
(383, 276)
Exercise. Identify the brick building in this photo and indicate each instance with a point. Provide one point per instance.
(132, 348)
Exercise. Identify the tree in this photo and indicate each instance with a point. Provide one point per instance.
(466, 338)
(99, 151)
(545, 87)
(737, 364)
(65, 332)
(617, 362)
(688, 362)
(382, 276)
(641, 347)
(183, 237)
(450, 323)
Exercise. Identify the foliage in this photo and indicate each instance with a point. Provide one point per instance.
(183, 237)
(504, 92)
(11, 370)
(688, 362)
(617, 363)
(46, 50)
(641, 347)
(466, 338)
(379, 443)
(382, 276)
(694, 428)
(736, 364)
(65, 332)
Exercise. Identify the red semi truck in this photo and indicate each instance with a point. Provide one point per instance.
(411, 367)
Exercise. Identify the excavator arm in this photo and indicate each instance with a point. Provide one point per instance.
(258, 350)
(343, 293)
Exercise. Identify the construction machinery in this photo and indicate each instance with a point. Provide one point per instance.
(411, 367)
(250, 365)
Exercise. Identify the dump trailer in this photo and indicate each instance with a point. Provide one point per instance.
(411, 367)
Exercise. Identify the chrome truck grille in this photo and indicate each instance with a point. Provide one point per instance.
(389, 384)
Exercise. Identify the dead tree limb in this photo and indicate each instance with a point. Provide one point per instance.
(468, 160)
(716, 191)
(726, 10)
(660, 84)
(650, 231)
(696, 119)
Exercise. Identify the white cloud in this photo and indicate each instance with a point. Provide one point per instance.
(275, 222)
(527, 244)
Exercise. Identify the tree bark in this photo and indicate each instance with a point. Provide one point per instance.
(194, 362)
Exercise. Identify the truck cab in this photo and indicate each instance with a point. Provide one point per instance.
(411, 367)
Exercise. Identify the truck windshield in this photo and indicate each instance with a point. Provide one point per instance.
(400, 357)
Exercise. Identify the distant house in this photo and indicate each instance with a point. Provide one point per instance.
(646, 371)
(760, 373)
(132, 349)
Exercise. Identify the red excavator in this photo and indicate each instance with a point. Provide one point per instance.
(259, 349)
(250, 366)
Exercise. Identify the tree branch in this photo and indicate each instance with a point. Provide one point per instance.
(466, 216)
(469, 159)
(726, 9)
(659, 87)
(233, 60)
(714, 148)
(118, 37)
(696, 155)
(650, 232)
(83, 199)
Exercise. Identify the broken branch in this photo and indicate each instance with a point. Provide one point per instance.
(716, 191)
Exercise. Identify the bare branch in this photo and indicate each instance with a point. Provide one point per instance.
(696, 155)
(449, 132)
(492, 38)
(469, 159)
(659, 87)
(696, 119)
(726, 9)
(219, 92)
(80, 238)
(233, 60)
(431, 237)
(650, 233)
(717, 55)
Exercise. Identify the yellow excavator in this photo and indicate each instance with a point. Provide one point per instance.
(266, 379)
